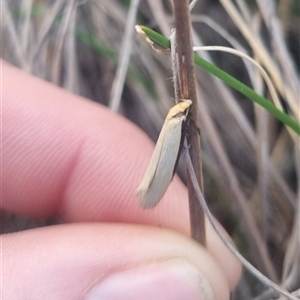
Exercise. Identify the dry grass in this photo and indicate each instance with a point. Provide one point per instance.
(251, 162)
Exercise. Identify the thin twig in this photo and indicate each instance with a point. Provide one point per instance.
(232, 249)
(242, 55)
(184, 74)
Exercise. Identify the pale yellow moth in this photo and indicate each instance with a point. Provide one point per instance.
(164, 159)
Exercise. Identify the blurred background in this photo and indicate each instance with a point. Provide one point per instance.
(250, 160)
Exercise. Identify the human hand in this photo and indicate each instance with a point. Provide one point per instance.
(68, 157)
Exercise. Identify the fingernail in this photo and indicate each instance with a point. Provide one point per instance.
(169, 280)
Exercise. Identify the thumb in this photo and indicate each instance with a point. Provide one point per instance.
(108, 261)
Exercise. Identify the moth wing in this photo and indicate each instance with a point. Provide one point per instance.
(160, 171)
(152, 166)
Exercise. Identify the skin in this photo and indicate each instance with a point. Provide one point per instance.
(69, 158)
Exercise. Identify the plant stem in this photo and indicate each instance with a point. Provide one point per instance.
(187, 90)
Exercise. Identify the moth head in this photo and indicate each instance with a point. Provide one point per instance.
(182, 108)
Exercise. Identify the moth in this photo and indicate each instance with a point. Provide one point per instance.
(161, 168)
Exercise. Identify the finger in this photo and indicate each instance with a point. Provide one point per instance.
(63, 154)
(97, 261)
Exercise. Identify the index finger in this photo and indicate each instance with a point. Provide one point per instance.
(68, 156)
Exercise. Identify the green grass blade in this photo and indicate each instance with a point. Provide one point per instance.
(231, 81)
